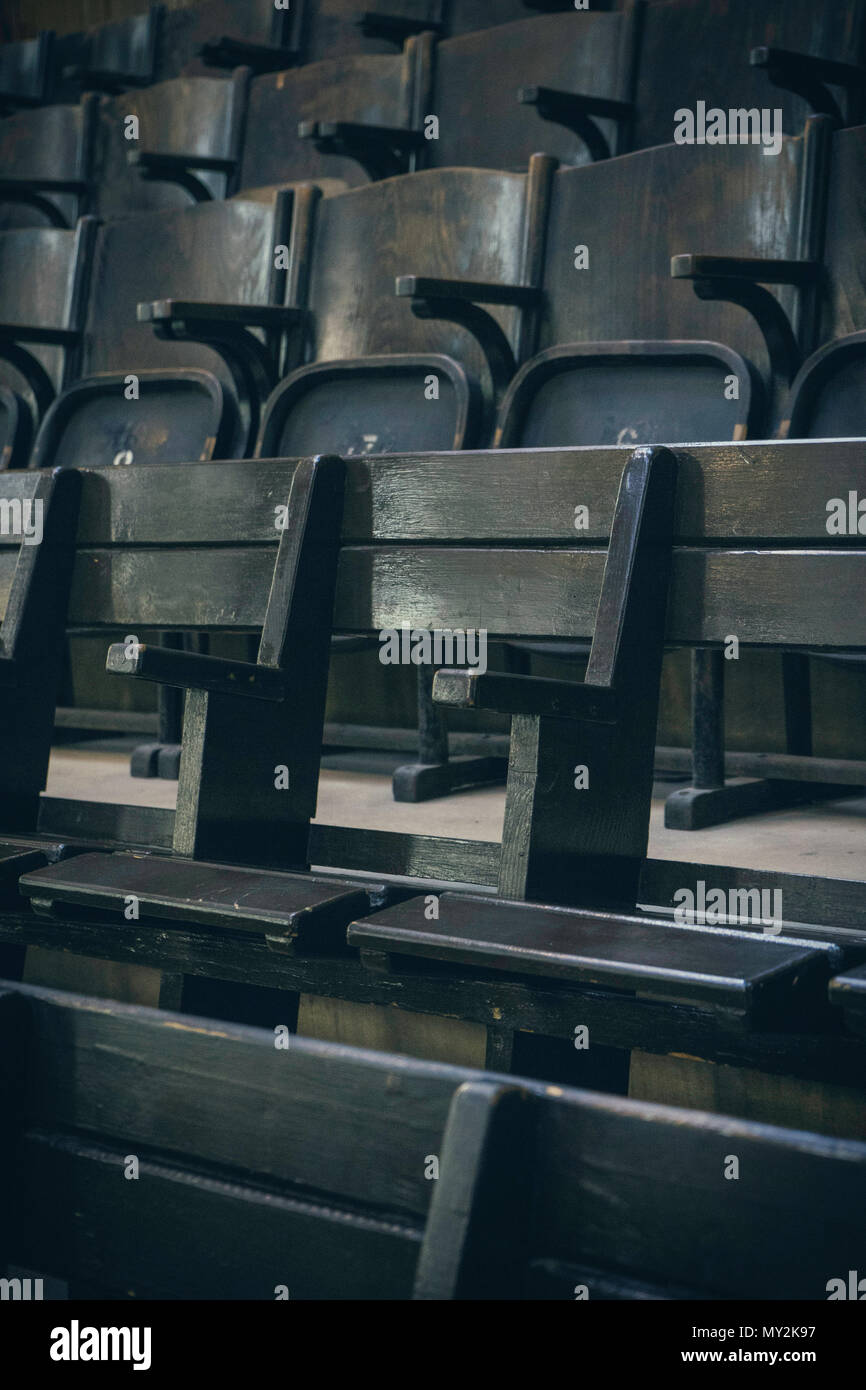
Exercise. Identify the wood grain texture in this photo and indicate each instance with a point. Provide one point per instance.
(728, 969)
(728, 493)
(779, 597)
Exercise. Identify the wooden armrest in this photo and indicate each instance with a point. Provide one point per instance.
(510, 694)
(242, 315)
(752, 268)
(193, 671)
(470, 291)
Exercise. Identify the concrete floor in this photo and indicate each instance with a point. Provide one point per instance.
(827, 838)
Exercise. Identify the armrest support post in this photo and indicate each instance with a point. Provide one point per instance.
(741, 280)
(577, 112)
(383, 152)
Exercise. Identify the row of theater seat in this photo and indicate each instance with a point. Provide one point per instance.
(464, 398)
(219, 895)
(473, 100)
(269, 35)
(278, 333)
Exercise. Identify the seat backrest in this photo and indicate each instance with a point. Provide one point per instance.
(706, 48)
(466, 542)
(622, 1200)
(44, 274)
(721, 201)
(367, 237)
(223, 252)
(372, 90)
(477, 79)
(46, 145)
(326, 1157)
(187, 29)
(331, 29)
(26, 71)
(201, 118)
(123, 52)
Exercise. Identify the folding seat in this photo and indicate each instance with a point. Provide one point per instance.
(197, 39)
(822, 402)
(269, 38)
(188, 382)
(170, 144)
(336, 27)
(115, 56)
(826, 402)
(44, 274)
(178, 302)
(27, 72)
(46, 164)
(471, 104)
(789, 55)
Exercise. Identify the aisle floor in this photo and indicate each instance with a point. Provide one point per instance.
(827, 838)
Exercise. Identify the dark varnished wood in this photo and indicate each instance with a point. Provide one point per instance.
(757, 977)
(548, 1175)
(287, 910)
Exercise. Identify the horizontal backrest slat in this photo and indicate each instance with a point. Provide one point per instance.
(764, 598)
(767, 493)
(200, 1089)
(176, 1234)
(629, 1186)
(194, 546)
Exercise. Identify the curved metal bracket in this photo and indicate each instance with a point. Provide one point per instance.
(33, 372)
(460, 302)
(741, 280)
(482, 326)
(810, 77)
(250, 363)
(183, 170)
(13, 191)
(381, 151)
(768, 314)
(577, 113)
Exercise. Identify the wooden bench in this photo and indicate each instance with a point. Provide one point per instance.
(149, 1155)
(429, 539)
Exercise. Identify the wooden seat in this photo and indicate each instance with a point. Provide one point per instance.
(475, 100)
(358, 98)
(304, 1172)
(405, 555)
(385, 379)
(184, 148)
(760, 979)
(200, 374)
(291, 911)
